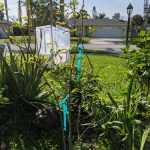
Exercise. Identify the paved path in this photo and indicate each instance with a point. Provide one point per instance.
(17, 49)
(98, 44)
(112, 45)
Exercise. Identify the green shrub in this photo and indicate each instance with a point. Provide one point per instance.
(22, 78)
(139, 61)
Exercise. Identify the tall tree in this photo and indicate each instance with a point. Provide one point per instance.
(41, 11)
(19, 11)
(94, 13)
(137, 23)
(116, 16)
(28, 11)
(101, 15)
(62, 10)
(6, 10)
(1, 11)
(83, 13)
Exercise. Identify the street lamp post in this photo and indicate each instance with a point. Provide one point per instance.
(129, 12)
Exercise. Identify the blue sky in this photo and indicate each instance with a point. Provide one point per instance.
(107, 6)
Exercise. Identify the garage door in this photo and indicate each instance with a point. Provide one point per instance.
(108, 33)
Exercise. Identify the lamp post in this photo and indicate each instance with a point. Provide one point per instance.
(129, 12)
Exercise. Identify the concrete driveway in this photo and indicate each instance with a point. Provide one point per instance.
(112, 45)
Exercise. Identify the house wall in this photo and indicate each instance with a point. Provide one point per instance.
(4, 25)
(86, 32)
(3, 28)
(110, 28)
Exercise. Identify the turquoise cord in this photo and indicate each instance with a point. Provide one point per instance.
(63, 104)
(80, 54)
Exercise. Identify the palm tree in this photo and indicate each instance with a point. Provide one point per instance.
(19, 11)
(28, 11)
(6, 9)
(62, 10)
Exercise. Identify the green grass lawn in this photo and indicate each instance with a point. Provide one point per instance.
(18, 39)
(112, 70)
(85, 39)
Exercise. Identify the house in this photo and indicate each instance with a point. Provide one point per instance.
(104, 28)
(4, 25)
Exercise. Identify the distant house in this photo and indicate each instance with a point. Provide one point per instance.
(4, 26)
(104, 28)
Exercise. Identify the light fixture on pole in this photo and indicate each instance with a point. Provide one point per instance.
(129, 12)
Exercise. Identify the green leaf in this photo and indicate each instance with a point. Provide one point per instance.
(126, 49)
(112, 100)
(1, 6)
(142, 33)
(144, 137)
(74, 90)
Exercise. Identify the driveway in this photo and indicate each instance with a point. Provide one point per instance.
(112, 45)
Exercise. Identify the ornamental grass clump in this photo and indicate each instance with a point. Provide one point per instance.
(22, 78)
(139, 61)
(119, 125)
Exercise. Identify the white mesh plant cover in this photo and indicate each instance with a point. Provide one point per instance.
(54, 40)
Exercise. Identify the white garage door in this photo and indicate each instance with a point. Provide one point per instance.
(108, 32)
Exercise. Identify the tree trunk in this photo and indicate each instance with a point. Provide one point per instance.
(19, 11)
(6, 9)
(28, 11)
(62, 10)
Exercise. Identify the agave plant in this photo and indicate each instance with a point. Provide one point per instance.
(24, 78)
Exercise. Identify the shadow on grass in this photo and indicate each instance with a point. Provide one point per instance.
(104, 53)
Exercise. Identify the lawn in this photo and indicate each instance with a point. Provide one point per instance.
(18, 39)
(112, 71)
(85, 39)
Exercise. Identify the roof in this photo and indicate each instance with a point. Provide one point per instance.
(96, 22)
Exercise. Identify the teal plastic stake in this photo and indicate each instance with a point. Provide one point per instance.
(63, 104)
(65, 113)
(80, 54)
